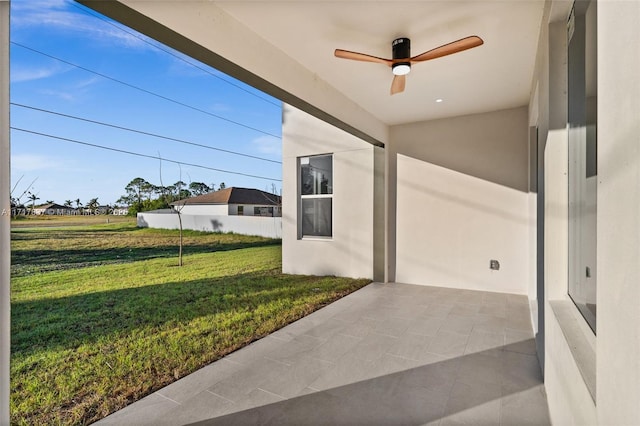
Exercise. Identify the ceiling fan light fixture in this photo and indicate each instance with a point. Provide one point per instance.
(401, 68)
(401, 61)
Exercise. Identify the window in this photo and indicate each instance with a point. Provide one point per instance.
(240, 210)
(316, 196)
(263, 211)
(582, 116)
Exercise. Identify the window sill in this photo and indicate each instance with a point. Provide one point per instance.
(582, 346)
(310, 238)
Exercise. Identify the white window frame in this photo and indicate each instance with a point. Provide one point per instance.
(299, 164)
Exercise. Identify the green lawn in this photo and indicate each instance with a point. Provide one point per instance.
(102, 315)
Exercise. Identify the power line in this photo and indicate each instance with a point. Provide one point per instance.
(145, 90)
(169, 52)
(143, 132)
(142, 155)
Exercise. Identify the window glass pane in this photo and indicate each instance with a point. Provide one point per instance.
(316, 217)
(582, 102)
(316, 175)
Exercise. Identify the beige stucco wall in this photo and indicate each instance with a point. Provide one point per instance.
(461, 200)
(617, 345)
(350, 252)
(618, 341)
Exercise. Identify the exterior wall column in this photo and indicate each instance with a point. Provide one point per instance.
(391, 185)
(379, 214)
(5, 216)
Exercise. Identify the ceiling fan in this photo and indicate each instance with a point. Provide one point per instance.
(402, 59)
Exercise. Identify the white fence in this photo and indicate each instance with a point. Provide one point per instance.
(270, 227)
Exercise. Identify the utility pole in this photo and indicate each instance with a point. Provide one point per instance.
(5, 215)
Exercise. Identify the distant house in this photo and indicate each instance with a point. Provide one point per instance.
(54, 209)
(232, 202)
(240, 210)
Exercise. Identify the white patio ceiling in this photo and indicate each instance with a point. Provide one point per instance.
(494, 76)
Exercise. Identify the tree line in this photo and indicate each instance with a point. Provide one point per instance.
(142, 195)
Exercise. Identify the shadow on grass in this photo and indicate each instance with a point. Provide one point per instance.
(29, 261)
(68, 322)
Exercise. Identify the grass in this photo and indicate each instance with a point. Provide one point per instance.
(102, 316)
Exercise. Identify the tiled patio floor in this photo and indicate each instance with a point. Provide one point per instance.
(384, 355)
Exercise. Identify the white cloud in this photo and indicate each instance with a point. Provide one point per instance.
(62, 15)
(21, 74)
(71, 92)
(33, 162)
(65, 96)
(267, 145)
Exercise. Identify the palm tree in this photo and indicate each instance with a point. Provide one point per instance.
(33, 197)
(92, 205)
(68, 203)
(78, 203)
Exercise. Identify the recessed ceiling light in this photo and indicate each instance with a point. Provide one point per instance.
(439, 100)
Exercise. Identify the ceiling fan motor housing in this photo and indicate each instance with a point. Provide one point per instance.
(401, 50)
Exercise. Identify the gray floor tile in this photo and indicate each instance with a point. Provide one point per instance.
(258, 349)
(465, 309)
(327, 328)
(299, 376)
(484, 414)
(448, 344)
(438, 309)
(360, 327)
(458, 324)
(392, 326)
(520, 341)
(237, 386)
(391, 364)
(494, 298)
(481, 368)
(142, 412)
(202, 406)
(528, 407)
(485, 341)
(522, 372)
(489, 323)
(372, 346)
(335, 347)
(289, 352)
(468, 397)
(426, 326)
(493, 309)
(411, 346)
(191, 385)
(349, 369)
(259, 397)
(439, 375)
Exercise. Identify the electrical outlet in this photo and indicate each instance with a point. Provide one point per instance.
(494, 265)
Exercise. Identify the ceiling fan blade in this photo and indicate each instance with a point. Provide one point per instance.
(449, 48)
(397, 85)
(346, 54)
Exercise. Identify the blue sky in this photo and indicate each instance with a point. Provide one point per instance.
(64, 170)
